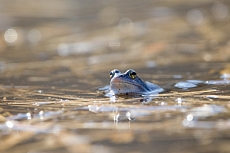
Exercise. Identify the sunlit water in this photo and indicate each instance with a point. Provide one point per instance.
(187, 109)
(55, 57)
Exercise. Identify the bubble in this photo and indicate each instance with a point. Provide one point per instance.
(162, 103)
(93, 108)
(34, 36)
(125, 25)
(195, 17)
(219, 10)
(9, 124)
(11, 36)
(189, 117)
(189, 121)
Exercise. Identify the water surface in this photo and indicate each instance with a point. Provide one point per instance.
(55, 57)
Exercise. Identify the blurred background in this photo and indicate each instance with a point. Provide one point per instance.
(85, 37)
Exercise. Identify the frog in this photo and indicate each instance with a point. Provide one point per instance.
(130, 84)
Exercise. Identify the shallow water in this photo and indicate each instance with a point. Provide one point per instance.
(65, 119)
(55, 57)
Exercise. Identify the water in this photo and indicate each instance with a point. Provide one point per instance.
(56, 55)
(65, 116)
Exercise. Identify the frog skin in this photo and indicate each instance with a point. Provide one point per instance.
(129, 83)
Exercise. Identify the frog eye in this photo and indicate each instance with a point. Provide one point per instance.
(132, 74)
(112, 73)
(116, 71)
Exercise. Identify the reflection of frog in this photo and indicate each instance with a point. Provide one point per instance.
(129, 83)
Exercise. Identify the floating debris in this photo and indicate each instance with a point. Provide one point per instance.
(195, 81)
(43, 103)
(212, 96)
(217, 82)
(185, 85)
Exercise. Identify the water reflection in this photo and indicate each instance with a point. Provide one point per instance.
(207, 57)
(93, 108)
(195, 17)
(225, 76)
(98, 116)
(220, 10)
(218, 82)
(34, 36)
(188, 84)
(179, 101)
(9, 124)
(11, 36)
(185, 85)
(52, 63)
(200, 113)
